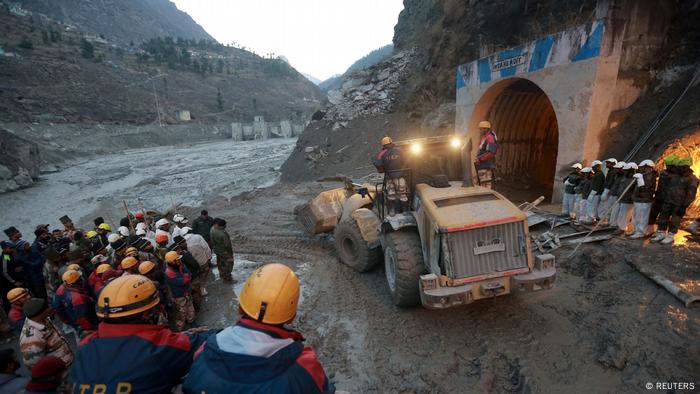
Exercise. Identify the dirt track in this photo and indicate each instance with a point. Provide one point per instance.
(604, 328)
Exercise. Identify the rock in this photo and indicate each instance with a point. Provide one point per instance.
(384, 74)
(5, 173)
(336, 126)
(8, 185)
(335, 97)
(23, 179)
(309, 149)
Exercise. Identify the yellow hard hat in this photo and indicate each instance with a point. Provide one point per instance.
(146, 267)
(387, 141)
(126, 296)
(105, 226)
(16, 294)
(129, 262)
(91, 234)
(131, 251)
(172, 256)
(484, 124)
(70, 276)
(73, 267)
(271, 294)
(102, 268)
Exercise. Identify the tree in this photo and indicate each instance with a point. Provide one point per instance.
(219, 99)
(88, 50)
(26, 43)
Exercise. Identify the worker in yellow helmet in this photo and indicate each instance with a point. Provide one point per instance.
(485, 163)
(179, 281)
(17, 297)
(130, 352)
(74, 305)
(258, 354)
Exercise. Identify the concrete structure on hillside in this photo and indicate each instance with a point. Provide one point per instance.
(183, 115)
(261, 129)
(553, 101)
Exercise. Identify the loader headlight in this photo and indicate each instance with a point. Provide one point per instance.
(416, 148)
(456, 142)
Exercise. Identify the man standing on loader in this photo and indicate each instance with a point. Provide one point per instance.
(390, 161)
(486, 156)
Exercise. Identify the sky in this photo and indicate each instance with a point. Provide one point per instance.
(318, 37)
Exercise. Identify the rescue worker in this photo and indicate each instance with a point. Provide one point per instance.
(584, 190)
(642, 197)
(34, 263)
(40, 337)
(119, 247)
(202, 226)
(104, 274)
(682, 189)
(161, 250)
(597, 188)
(150, 271)
(47, 376)
(605, 202)
(163, 228)
(73, 305)
(485, 163)
(17, 298)
(200, 250)
(130, 265)
(615, 191)
(624, 214)
(10, 381)
(12, 271)
(179, 279)
(390, 162)
(130, 352)
(662, 187)
(259, 354)
(68, 226)
(180, 246)
(55, 259)
(103, 230)
(180, 222)
(568, 205)
(221, 245)
(389, 158)
(94, 277)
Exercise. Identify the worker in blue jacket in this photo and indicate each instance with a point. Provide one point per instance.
(258, 354)
(130, 353)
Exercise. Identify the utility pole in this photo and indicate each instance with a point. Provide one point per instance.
(155, 94)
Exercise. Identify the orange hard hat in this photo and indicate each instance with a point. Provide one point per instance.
(129, 262)
(162, 238)
(146, 267)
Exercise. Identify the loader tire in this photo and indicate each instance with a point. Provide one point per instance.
(353, 249)
(403, 263)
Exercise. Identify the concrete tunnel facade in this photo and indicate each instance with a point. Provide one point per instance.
(552, 100)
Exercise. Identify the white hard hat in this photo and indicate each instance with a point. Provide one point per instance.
(577, 166)
(124, 231)
(140, 226)
(140, 231)
(185, 230)
(162, 222)
(596, 162)
(631, 166)
(620, 164)
(112, 238)
(587, 169)
(178, 218)
(612, 160)
(647, 163)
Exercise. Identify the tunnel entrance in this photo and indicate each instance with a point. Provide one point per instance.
(528, 134)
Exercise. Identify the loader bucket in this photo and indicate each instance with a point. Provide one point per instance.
(321, 214)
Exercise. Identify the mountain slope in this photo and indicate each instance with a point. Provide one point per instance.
(364, 62)
(122, 21)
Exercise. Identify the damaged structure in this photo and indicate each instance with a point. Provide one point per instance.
(262, 130)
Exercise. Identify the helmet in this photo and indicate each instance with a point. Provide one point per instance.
(139, 215)
(146, 267)
(124, 231)
(647, 163)
(15, 294)
(484, 124)
(126, 296)
(630, 166)
(161, 238)
(619, 164)
(91, 234)
(140, 231)
(596, 162)
(172, 256)
(180, 219)
(162, 222)
(73, 267)
(131, 252)
(102, 268)
(112, 238)
(586, 169)
(671, 160)
(686, 161)
(611, 160)
(105, 226)
(271, 294)
(387, 140)
(70, 276)
(129, 262)
(577, 166)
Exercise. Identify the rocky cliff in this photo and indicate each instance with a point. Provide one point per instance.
(19, 161)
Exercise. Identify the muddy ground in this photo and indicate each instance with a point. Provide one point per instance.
(604, 328)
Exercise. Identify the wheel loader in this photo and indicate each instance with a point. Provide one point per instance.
(444, 241)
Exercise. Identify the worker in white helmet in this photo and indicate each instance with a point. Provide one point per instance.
(597, 187)
(605, 201)
(643, 197)
(624, 215)
(584, 190)
(570, 182)
(615, 190)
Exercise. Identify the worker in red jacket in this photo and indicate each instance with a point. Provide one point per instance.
(17, 297)
(485, 163)
(73, 304)
(130, 352)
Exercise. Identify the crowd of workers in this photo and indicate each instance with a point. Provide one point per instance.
(130, 298)
(635, 198)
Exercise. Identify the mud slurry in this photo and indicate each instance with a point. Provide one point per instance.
(604, 328)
